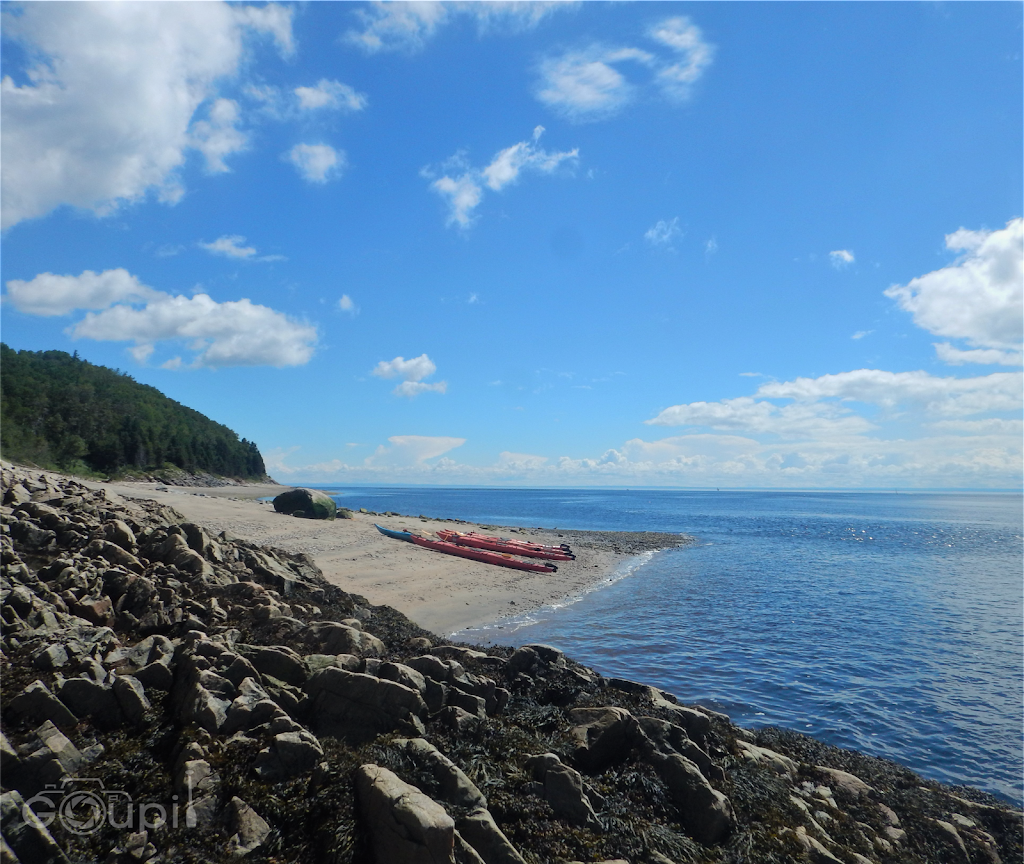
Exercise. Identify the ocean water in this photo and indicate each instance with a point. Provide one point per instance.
(888, 623)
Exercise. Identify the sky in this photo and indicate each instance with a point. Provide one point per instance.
(538, 244)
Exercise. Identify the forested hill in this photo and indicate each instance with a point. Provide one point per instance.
(62, 412)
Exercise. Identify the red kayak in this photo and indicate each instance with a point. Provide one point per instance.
(511, 547)
(464, 552)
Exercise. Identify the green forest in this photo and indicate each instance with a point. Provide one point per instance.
(59, 411)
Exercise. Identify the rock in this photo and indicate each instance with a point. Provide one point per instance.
(132, 698)
(50, 657)
(88, 699)
(238, 670)
(603, 736)
(250, 829)
(344, 703)
(848, 783)
(135, 848)
(668, 738)
(953, 838)
(457, 719)
(278, 662)
(330, 637)
(405, 675)
(199, 786)
(456, 787)
(312, 503)
(705, 812)
(25, 834)
(482, 833)
(252, 707)
(430, 666)
(289, 755)
(564, 790)
(763, 756)
(37, 704)
(114, 554)
(405, 826)
(116, 531)
(95, 610)
(816, 853)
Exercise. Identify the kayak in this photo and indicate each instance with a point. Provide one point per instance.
(465, 552)
(512, 547)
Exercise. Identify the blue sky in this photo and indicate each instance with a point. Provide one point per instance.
(537, 244)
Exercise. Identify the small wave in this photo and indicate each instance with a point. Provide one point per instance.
(514, 623)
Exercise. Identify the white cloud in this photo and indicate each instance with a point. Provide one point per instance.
(695, 55)
(465, 191)
(841, 258)
(988, 356)
(219, 136)
(1000, 391)
(587, 84)
(317, 163)
(749, 415)
(980, 297)
(347, 304)
(519, 461)
(663, 233)
(48, 294)
(107, 112)
(860, 334)
(711, 247)
(408, 26)
(412, 372)
(230, 246)
(235, 333)
(330, 94)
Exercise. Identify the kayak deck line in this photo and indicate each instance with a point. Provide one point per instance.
(487, 557)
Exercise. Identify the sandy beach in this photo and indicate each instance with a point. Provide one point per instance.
(441, 593)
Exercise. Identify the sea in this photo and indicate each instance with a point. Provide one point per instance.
(887, 622)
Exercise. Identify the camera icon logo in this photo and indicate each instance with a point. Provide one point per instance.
(80, 804)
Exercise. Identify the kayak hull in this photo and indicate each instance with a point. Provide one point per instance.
(511, 547)
(483, 555)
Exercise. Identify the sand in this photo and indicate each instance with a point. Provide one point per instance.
(441, 593)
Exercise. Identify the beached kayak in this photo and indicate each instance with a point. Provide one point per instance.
(468, 552)
(511, 547)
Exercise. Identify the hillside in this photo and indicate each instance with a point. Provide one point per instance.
(59, 411)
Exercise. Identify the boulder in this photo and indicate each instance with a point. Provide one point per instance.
(289, 755)
(310, 502)
(88, 698)
(331, 637)
(37, 704)
(705, 812)
(456, 787)
(482, 833)
(132, 698)
(603, 736)
(405, 826)
(346, 703)
(250, 830)
(25, 834)
(278, 662)
(564, 790)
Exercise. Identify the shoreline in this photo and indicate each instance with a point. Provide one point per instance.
(441, 593)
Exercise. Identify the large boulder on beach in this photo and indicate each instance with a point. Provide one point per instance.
(308, 502)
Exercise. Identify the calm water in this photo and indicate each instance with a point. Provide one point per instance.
(887, 623)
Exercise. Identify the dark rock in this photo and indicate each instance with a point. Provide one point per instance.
(405, 826)
(706, 813)
(456, 787)
(25, 834)
(482, 833)
(278, 662)
(603, 736)
(118, 532)
(114, 554)
(89, 699)
(36, 704)
(132, 698)
(564, 790)
(315, 504)
(50, 657)
(354, 703)
(289, 755)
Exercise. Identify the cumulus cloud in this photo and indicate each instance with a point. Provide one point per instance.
(347, 304)
(317, 163)
(412, 372)
(234, 333)
(330, 94)
(978, 298)
(49, 294)
(750, 415)
(841, 258)
(509, 461)
(230, 246)
(989, 356)
(465, 190)
(596, 82)
(663, 233)
(402, 26)
(107, 110)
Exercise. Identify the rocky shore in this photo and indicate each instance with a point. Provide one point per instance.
(170, 695)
